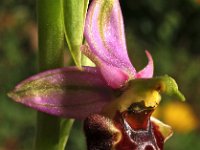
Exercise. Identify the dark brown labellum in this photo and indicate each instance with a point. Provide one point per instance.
(129, 130)
(100, 132)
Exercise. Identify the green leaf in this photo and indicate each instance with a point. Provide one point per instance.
(74, 19)
(65, 128)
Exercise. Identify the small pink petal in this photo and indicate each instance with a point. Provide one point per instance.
(147, 72)
(68, 92)
(104, 32)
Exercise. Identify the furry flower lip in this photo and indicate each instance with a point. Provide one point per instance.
(114, 99)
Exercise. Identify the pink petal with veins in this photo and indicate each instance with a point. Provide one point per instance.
(104, 32)
(67, 92)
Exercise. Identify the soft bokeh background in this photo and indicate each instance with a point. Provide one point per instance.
(170, 30)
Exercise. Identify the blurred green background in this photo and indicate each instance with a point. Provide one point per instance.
(170, 30)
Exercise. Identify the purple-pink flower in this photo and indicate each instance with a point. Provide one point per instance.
(58, 91)
(116, 99)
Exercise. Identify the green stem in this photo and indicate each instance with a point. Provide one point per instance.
(52, 132)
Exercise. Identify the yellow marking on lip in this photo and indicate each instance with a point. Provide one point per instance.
(151, 99)
(144, 90)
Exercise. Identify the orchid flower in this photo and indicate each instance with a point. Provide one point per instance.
(114, 99)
